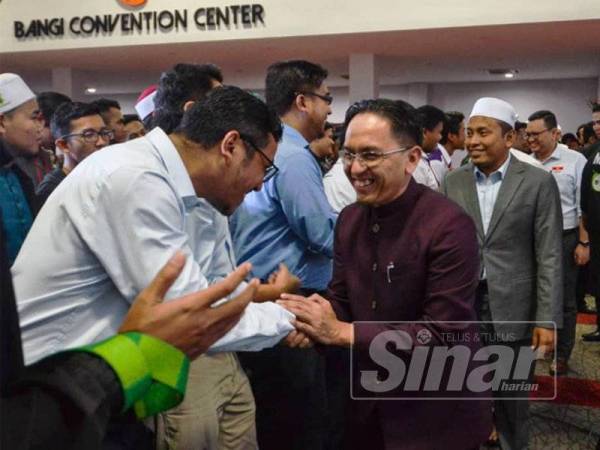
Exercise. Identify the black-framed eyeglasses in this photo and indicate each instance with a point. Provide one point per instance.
(271, 169)
(535, 134)
(326, 98)
(92, 136)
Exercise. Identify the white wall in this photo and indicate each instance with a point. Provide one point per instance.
(566, 98)
(285, 18)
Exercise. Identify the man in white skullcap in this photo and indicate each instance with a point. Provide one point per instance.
(517, 213)
(20, 132)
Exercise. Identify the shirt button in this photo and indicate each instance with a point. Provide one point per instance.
(374, 267)
(375, 228)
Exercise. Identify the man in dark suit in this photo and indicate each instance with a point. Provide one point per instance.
(517, 213)
(401, 253)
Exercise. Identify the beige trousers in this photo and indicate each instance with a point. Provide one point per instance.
(218, 410)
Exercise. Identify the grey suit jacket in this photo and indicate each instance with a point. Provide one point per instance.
(522, 250)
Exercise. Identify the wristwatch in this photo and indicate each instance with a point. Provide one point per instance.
(585, 244)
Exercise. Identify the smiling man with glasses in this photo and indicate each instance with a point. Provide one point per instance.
(404, 253)
(566, 166)
(79, 131)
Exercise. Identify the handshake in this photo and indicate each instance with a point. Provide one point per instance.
(192, 323)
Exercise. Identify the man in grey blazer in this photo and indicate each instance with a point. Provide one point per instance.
(517, 212)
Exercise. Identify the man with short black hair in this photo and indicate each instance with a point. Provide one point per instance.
(48, 102)
(590, 206)
(406, 254)
(79, 131)
(178, 88)
(432, 121)
(452, 143)
(520, 141)
(110, 110)
(134, 127)
(566, 166)
(290, 220)
(123, 212)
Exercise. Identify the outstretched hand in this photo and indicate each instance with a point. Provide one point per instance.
(189, 323)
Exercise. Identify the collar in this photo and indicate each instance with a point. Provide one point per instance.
(403, 205)
(293, 135)
(174, 165)
(496, 175)
(555, 155)
(445, 155)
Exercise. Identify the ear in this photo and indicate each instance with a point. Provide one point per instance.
(2, 124)
(414, 156)
(228, 145)
(62, 145)
(300, 102)
(509, 138)
(187, 105)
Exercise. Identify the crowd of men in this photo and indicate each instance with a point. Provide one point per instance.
(428, 219)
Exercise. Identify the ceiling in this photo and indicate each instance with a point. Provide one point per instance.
(537, 51)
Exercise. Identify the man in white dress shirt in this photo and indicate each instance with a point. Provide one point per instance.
(566, 166)
(120, 215)
(433, 122)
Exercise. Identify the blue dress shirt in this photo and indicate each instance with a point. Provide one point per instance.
(289, 220)
(487, 191)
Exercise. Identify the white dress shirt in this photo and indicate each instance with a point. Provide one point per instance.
(441, 167)
(522, 156)
(424, 173)
(103, 235)
(338, 189)
(566, 166)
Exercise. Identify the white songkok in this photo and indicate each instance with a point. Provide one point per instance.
(13, 92)
(495, 109)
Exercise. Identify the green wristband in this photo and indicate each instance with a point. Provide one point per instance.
(153, 374)
(128, 362)
(169, 368)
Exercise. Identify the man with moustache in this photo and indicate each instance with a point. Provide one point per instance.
(517, 213)
(402, 253)
(20, 133)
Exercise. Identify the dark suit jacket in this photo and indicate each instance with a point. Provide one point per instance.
(431, 244)
(522, 250)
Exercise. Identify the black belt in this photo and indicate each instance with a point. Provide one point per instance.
(571, 231)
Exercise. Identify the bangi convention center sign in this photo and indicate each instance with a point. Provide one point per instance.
(143, 22)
